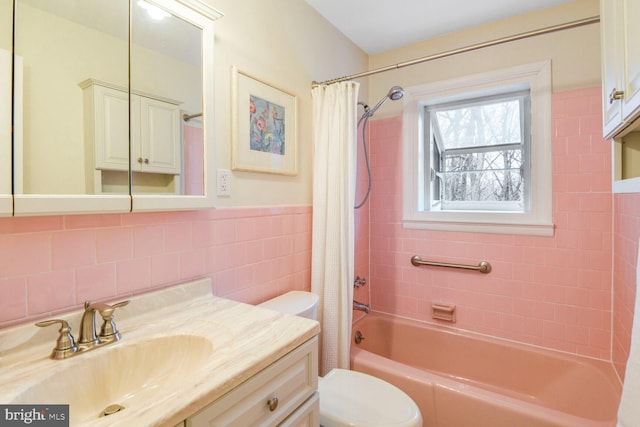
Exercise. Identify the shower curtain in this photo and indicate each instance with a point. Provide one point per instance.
(332, 250)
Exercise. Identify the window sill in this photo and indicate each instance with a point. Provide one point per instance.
(528, 229)
(630, 185)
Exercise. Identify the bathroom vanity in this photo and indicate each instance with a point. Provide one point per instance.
(283, 394)
(186, 358)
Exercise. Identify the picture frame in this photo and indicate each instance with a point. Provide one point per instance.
(264, 126)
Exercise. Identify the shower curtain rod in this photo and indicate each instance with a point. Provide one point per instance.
(520, 36)
(187, 117)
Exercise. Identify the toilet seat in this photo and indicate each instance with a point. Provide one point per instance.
(350, 398)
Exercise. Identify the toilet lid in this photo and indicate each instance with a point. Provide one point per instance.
(350, 398)
(292, 302)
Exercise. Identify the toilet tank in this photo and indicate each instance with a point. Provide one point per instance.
(299, 303)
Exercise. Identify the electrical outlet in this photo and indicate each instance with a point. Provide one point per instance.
(224, 182)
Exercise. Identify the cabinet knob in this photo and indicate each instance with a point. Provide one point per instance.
(139, 159)
(146, 161)
(272, 404)
(615, 95)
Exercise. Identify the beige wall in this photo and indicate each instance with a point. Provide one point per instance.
(575, 54)
(287, 44)
(5, 25)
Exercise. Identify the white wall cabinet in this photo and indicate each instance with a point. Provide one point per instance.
(620, 64)
(155, 129)
(283, 394)
(620, 47)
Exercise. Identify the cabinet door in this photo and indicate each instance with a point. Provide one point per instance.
(307, 415)
(611, 37)
(159, 136)
(630, 14)
(111, 128)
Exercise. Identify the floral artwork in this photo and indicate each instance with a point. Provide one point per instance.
(267, 133)
(268, 141)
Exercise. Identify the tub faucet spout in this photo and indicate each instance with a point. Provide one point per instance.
(360, 306)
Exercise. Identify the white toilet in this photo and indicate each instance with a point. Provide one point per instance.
(350, 398)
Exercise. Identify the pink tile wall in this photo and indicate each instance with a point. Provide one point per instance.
(361, 267)
(53, 264)
(193, 143)
(553, 292)
(625, 248)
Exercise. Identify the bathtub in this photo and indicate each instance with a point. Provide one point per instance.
(461, 379)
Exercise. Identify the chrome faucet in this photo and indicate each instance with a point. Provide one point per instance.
(360, 306)
(88, 338)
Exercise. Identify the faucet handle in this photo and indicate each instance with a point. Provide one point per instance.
(65, 344)
(120, 304)
(108, 331)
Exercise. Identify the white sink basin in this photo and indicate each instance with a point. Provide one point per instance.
(126, 374)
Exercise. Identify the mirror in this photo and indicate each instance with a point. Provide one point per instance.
(62, 43)
(166, 90)
(92, 137)
(6, 28)
(173, 57)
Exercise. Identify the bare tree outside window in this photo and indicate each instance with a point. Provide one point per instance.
(481, 153)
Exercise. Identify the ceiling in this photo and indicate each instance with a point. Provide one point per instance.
(379, 25)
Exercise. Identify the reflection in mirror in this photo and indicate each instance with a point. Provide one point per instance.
(6, 26)
(63, 43)
(167, 141)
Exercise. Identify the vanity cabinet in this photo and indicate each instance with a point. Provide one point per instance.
(283, 394)
(620, 40)
(155, 132)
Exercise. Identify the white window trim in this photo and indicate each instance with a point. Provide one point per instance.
(538, 221)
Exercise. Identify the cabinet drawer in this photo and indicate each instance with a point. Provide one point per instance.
(291, 380)
(308, 415)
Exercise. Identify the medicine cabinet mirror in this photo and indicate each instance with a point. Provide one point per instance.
(6, 27)
(112, 116)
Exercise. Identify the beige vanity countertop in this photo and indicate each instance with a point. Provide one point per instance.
(246, 339)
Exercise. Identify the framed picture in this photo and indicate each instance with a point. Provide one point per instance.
(263, 130)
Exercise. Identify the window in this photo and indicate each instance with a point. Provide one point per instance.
(477, 153)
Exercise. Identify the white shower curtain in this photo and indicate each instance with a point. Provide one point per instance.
(332, 252)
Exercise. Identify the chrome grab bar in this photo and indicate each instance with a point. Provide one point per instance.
(483, 267)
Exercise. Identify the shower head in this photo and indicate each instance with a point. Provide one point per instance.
(395, 93)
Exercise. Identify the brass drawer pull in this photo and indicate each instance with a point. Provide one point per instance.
(272, 404)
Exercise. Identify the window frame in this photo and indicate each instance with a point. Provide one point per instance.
(537, 219)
